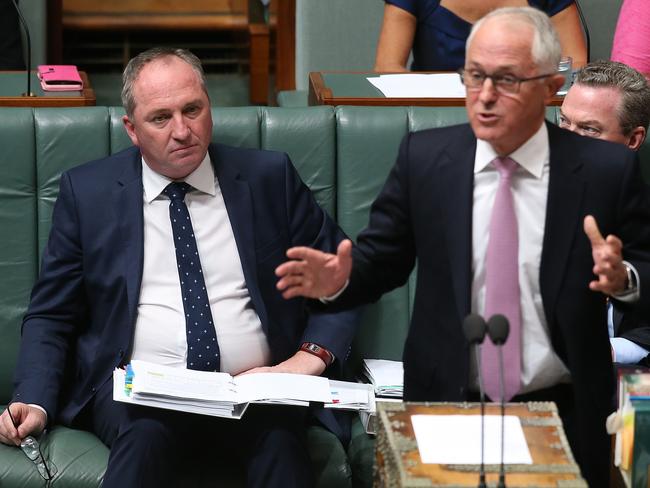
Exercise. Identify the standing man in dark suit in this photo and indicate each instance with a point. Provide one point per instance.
(166, 252)
(501, 217)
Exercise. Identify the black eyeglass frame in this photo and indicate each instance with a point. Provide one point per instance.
(498, 79)
(49, 470)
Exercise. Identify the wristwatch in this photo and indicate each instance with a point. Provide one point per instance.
(631, 279)
(318, 351)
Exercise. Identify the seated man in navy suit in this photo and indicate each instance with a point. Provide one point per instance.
(166, 252)
(611, 101)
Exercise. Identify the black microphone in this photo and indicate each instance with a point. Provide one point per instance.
(474, 327)
(29, 50)
(498, 329)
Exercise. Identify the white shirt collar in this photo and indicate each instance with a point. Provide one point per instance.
(202, 179)
(532, 155)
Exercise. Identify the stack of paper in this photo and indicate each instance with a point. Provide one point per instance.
(221, 395)
(387, 377)
(351, 396)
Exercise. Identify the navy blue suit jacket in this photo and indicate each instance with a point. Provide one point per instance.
(424, 212)
(80, 322)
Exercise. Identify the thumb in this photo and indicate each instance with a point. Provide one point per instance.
(592, 231)
(344, 251)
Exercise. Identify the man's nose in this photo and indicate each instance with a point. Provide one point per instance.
(488, 92)
(180, 129)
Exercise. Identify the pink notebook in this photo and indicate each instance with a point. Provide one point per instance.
(63, 77)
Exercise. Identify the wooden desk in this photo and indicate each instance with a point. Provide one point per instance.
(398, 459)
(13, 83)
(339, 88)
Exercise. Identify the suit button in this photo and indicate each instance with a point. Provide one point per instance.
(93, 389)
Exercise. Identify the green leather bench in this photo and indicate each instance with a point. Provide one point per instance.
(343, 154)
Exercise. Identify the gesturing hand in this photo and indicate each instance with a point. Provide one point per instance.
(313, 273)
(608, 260)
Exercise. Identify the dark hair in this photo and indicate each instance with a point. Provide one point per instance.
(136, 64)
(634, 110)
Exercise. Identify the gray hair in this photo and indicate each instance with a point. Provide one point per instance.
(135, 65)
(634, 109)
(546, 50)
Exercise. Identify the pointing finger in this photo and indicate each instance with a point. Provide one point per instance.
(592, 231)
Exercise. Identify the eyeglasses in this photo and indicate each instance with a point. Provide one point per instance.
(32, 450)
(505, 84)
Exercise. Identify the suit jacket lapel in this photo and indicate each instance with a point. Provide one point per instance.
(237, 197)
(565, 193)
(128, 205)
(456, 173)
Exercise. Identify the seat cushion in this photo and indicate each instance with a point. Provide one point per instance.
(80, 459)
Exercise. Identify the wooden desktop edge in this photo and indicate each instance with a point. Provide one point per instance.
(86, 99)
(320, 94)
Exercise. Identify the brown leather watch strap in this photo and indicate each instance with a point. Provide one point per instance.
(318, 351)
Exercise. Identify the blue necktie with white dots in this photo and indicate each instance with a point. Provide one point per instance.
(202, 346)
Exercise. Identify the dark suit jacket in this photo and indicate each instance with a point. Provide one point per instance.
(424, 212)
(80, 322)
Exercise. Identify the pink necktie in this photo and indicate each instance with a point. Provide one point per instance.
(502, 287)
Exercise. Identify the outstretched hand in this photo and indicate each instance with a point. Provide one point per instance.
(608, 260)
(314, 274)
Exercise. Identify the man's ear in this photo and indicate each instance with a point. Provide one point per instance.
(130, 130)
(553, 84)
(636, 138)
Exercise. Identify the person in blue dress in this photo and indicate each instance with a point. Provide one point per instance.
(436, 31)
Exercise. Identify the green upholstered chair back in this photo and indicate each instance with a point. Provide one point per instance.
(343, 154)
(336, 35)
(35, 13)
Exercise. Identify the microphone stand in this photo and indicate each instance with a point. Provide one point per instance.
(502, 394)
(474, 328)
(481, 476)
(29, 51)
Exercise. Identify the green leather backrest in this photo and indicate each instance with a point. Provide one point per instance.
(336, 35)
(308, 137)
(18, 250)
(343, 154)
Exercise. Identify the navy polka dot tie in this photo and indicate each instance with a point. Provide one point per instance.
(202, 346)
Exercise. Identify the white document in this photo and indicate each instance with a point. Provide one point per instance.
(222, 395)
(350, 396)
(456, 439)
(414, 85)
(386, 376)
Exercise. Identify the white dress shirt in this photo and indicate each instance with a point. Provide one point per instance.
(160, 325)
(541, 366)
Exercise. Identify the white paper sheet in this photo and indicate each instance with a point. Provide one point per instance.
(413, 85)
(456, 439)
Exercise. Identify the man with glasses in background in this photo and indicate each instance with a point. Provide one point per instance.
(611, 101)
(502, 216)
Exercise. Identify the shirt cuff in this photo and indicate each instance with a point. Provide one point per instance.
(626, 351)
(40, 408)
(331, 298)
(633, 293)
